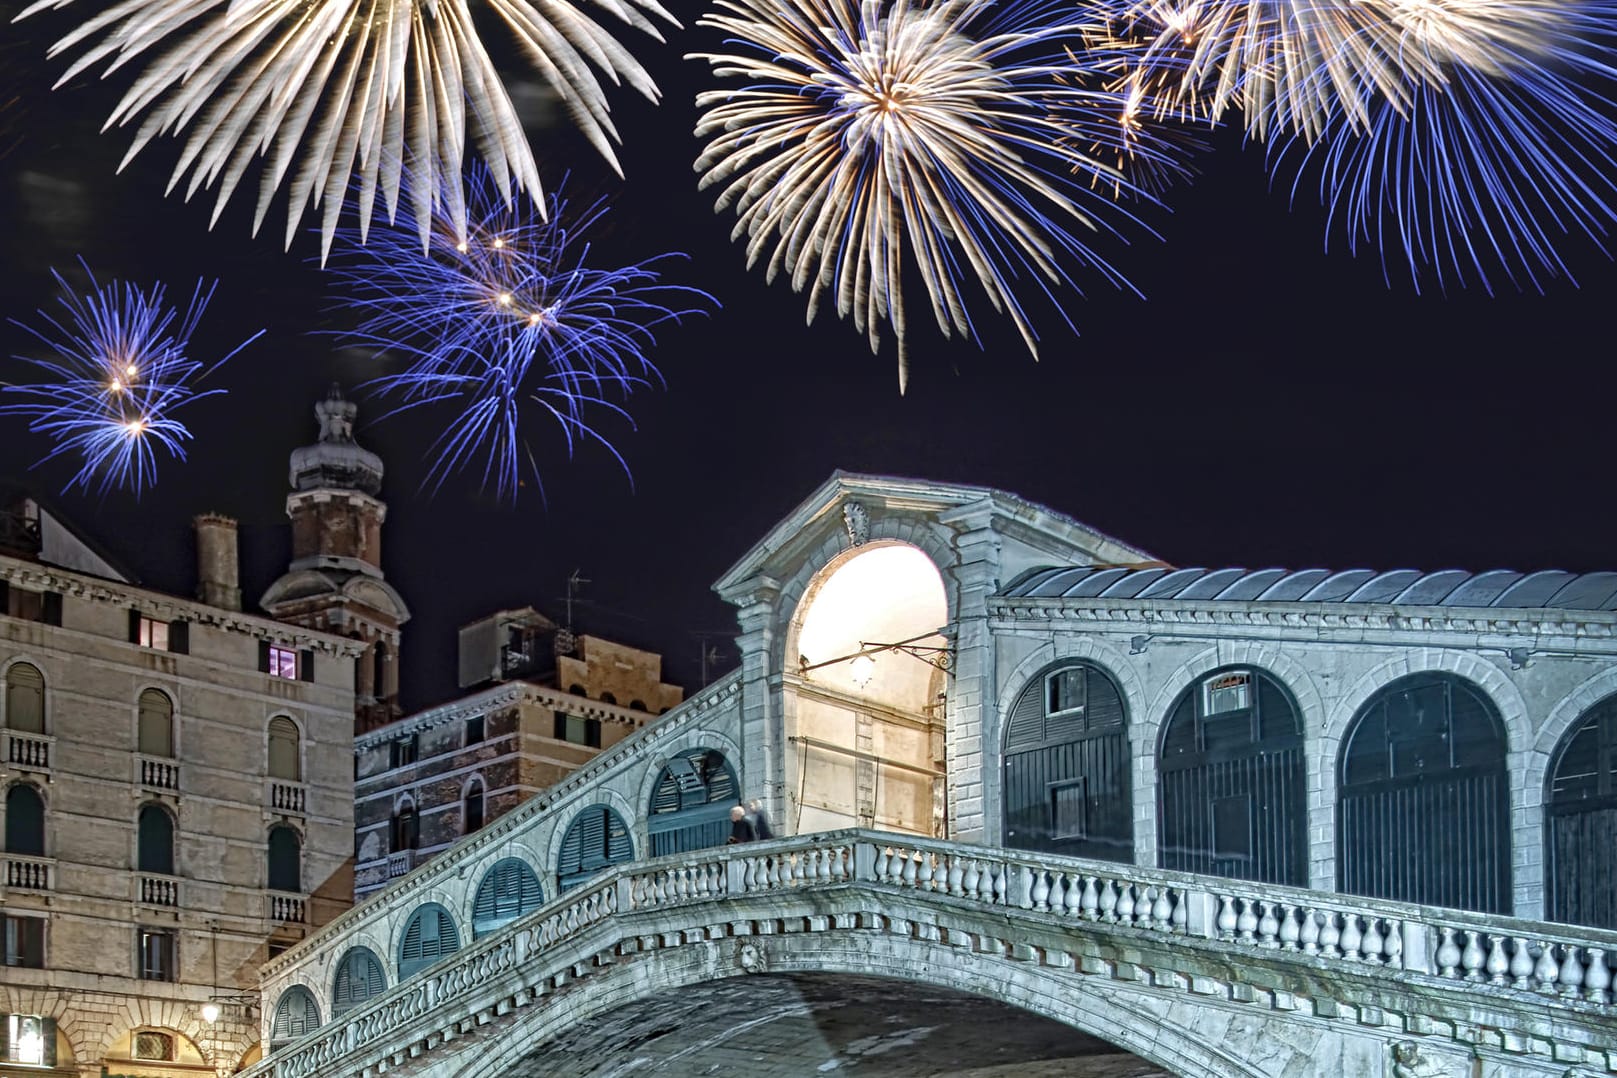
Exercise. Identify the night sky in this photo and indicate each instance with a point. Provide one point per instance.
(1268, 404)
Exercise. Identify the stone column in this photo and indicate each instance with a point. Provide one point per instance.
(762, 732)
(972, 730)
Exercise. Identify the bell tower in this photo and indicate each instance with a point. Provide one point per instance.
(334, 582)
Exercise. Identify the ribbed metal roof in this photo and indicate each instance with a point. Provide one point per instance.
(1548, 589)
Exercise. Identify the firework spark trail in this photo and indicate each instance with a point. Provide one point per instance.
(118, 371)
(382, 90)
(957, 132)
(510, 320)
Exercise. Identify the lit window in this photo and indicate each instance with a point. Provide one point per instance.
(283, 662)
(149, 1044)
(152, 634)
(1227, 692)
(578, 730)
(26, 1038)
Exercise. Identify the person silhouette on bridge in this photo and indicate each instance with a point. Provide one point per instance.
(741, 829)
(760, 820)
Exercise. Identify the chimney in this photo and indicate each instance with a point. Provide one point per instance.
(218, 579)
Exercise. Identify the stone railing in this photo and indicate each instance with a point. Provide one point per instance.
(157, 773)
(286, 909)
(399, 863)
(1026, 895)
(286, 797)
(29, 751)
(157, 890)
(25, 873)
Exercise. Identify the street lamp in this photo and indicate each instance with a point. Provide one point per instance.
(862, 663)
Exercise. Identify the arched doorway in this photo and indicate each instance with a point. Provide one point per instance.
(1580, 822)
(1422, 811)
(595, 840)
(1067, 766)
(1231, 780)
(865, 718)
(690, 804)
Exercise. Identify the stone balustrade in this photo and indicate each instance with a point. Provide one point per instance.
(25, 873)
(157, 890)
(29, 751)
(287, 909)
(157, 773)
(399, 863)
(1043, 908)
(289, 798)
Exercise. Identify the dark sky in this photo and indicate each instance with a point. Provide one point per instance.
(1268, 404)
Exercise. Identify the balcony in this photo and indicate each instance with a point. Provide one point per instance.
(399, 863)
(157, 773)
(286, 798)
(28, 752)
(24, 873)
(161, 891)
(287, 909)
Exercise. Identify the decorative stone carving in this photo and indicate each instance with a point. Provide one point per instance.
(1409, 1060)
(857, 521)
(751, 958)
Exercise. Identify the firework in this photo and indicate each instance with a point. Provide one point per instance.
(118, 371)
(962, 136)
(505, 321)
(385, 91)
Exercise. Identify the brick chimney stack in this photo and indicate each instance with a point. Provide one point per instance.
(218, 575)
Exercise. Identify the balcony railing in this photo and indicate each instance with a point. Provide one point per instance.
(24, 873)
(31, 752)
(157, 773)
(157, 890)
(288, 909)
(287, 797)
(400, 863)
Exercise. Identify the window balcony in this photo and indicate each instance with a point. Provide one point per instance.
(157, 773)
(287, 908)
(286, 798)
(157, 890)
(28, 752)
(399, 863)
(25, 873)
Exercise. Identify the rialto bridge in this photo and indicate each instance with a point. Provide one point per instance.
(1038, 786)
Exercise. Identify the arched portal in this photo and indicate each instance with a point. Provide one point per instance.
(864, 719)
(690, 805)
(1580, 822)
(596, 839)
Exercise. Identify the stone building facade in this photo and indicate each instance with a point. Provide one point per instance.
(176, 805)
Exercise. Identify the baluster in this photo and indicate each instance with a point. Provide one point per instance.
(1290, 930)
(1352, 936)
(1161, 910)
(1000, 882)
(1125, 904)
(1497, 964)
(1521, 963)
(1040, 894)
(956, 874)
(908, 874)
(923, 874)
(1547, 971)
(1268, 927)
(822, 865)
(1181, 913)
(1019, 884)
(1597, 978)
(884, 857)
(1571, 979)
(1329, 934)
(1472, 957)
(968, 881)
(1072, 896)
(1308, 936)
(1108, 903)
(1226, 918)
(1247, 923)
(1371, 945)
(1394, 946)
(1089, 901)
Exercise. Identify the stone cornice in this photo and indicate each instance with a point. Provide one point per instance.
(499, 696)
(637, 746)
(41, 577)
(1168, 617)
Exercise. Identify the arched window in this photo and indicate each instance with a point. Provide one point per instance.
(596, 839)
(1067, 786)
(155, 736)
(637, 705)
(1232, 783)
(296, 1014)
(690, 805)
(608, 698)
(406, 830)
(379, 670)
(1580, 822)
(508, 890)
(285, 860)
(471, 807)
(25, 821)
(359, 978)
(1422, 811)
(576, 690)
(428, 936)
(25, 699)
(284, 758)
(155, 840)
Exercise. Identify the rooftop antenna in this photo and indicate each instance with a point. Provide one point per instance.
(574, 582)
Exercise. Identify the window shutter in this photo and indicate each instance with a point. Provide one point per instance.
(48, 1029)
(5, 1032)
(592, 733)
(263, 656)
(134, 626)
(5, 608)
(51, 609)
(306, 665)
(179, 637)
(561, 727)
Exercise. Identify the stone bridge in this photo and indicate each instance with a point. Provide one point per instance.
(1197, 975)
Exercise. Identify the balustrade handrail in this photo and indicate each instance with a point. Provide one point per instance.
(839, 858)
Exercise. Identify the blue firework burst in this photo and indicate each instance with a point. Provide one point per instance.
(118, 369)
(505, 326)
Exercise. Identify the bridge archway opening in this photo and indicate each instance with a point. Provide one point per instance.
(780, 1025)
(864, 719)
(1580, 821)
